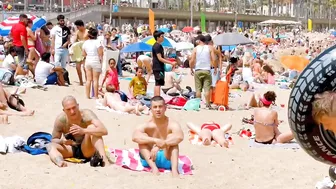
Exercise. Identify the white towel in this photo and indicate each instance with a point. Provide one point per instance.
(3, 146)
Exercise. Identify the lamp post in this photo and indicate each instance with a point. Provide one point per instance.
(191, 12)
(111, 9)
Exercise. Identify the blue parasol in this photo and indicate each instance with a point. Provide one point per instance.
(137, 47)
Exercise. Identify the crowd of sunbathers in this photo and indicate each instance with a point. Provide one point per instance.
(79, 132)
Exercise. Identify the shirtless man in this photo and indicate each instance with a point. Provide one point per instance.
(80, 35)
(172, 83)
(159, 139)
(145, 62)
(85, 129)
(112, 99)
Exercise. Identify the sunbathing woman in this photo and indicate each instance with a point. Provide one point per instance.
(112, 99)
(14, 102)
(266, 122)
(211, 130)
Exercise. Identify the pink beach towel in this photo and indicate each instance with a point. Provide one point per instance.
(130, 159)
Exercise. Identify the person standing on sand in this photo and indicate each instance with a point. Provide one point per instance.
(81, 35)
(159, 139)
(82, 131)
(60, 40)
(158, 62)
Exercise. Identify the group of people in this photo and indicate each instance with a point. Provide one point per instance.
(79, 132)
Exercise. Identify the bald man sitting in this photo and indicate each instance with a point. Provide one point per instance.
(82, 131)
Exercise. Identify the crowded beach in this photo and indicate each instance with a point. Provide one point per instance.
(87, 105)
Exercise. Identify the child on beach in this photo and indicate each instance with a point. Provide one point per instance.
(324, 110)
(111, 75)
(138, 85)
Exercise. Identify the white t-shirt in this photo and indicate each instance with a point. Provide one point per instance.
(61, 35)
(42, 71)
(91, 49)
(8, 61)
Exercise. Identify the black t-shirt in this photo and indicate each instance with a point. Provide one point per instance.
(157, 65)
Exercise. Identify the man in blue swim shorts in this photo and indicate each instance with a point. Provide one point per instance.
(158, 139)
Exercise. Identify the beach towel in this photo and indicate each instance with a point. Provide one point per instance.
(291, 145)
(130, 159)
(100, 106)
(195, 139)
(75, 51)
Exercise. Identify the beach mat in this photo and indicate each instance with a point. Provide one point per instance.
(130, 159)
(291, 145)
(196, 140)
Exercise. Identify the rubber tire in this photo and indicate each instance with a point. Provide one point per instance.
(317, 77)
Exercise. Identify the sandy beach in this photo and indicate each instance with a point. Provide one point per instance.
(238, 167)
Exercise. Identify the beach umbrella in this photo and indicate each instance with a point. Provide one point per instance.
(6, 25)
(184, 46)
(292, 62)
(228, 48)
(188, 29)
(137, 47)
(230, 39)
(269, 41)
(166, 43)
(165, 30)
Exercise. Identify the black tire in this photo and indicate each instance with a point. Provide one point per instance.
(317, 77)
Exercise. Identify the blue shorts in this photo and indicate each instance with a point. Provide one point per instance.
(161, 161)
(51, 79)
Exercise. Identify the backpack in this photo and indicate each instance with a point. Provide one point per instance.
(37, 143)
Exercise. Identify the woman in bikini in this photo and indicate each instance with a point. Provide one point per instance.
(211, 131)
(266, 122)
(12, 101)
(33, 57)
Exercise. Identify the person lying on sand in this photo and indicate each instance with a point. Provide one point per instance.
(12, 101)
(324, 110)
(172, 83)
(112, 99)
(266, 122)
(159, 139)
(211, 130)
(82, 131)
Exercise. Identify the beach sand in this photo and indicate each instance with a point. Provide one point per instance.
(237, 167)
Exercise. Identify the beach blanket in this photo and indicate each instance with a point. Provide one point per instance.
(100, 106)
(130, 159)
(195, 139)
(291, 145)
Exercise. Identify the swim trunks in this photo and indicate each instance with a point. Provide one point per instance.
(210, 126)
(77, 152)
(161, 161)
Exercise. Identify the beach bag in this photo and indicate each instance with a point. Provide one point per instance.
(37, 143)
(222, 93)
(6, 76)
(66, 76)
(193, 104)
(177, 101)
(39, 45)
(123, 96)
